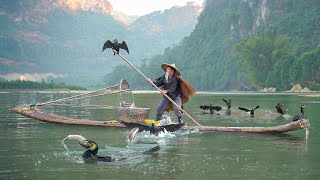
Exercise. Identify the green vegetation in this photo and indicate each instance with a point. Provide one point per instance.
(306, 70)
(243, 45)
(21, 84)
(266, 57)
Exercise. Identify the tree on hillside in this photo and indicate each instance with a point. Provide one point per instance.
(306, 70)
(261, 53)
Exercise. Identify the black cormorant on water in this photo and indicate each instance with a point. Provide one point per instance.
(300, 116)
(92, 148)
(228, 103)
(211, 108)
(153, 129)
(116, 46)
(279, 109)
(248, 110)
(90, 155)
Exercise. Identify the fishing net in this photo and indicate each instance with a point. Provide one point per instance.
(118, 95)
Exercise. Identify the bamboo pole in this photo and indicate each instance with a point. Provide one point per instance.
(157, 88)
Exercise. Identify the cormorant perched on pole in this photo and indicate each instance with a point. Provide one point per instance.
(115, 45)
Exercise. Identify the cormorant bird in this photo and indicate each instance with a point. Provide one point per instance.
(115, 45)
(92, 148)
(279, 109)
(248, 110)
(228, 103)
(90, 155)
(153, 129)
(300, 116)
(211, 108)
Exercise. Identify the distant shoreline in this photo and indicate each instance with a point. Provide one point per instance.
(306, 94)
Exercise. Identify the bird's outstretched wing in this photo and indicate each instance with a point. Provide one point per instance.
(107, 44)
(217, 108)
(204, 107)
(124, 46)
(256, 107)
(244, 109)
(225, 101)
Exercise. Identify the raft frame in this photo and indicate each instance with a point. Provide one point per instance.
(38, 114)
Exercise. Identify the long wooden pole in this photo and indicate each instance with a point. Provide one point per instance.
(174, 103)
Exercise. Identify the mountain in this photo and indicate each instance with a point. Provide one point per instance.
(65, 37)
(274, 35)
(123, 18)
(161, 29)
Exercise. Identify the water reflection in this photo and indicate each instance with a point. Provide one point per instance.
(32, 149)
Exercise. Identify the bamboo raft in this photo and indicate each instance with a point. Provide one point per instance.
(40, 115)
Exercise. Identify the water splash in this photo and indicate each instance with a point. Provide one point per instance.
(307, 133)
(287, 116)
(188, 132)
(165, 121)
(164, 134)
(65, 147)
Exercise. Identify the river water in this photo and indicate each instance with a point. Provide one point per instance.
(32, 149)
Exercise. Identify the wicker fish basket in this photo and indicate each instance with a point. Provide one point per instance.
(132, 114)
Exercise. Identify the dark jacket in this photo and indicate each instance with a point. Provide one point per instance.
(172, 86)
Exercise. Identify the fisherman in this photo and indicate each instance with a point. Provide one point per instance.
(171, 87)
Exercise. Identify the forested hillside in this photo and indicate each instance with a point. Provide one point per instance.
(244, 45)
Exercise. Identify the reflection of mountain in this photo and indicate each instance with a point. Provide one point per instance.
(66, 37)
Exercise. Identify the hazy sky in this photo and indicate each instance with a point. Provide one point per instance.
(141, 7)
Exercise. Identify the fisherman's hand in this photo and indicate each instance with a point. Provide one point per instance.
(164, 91)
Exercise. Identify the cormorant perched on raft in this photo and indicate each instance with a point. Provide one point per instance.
(115, 45)
(211, 108)
(300, 116)
(90, 155)
(248, 110)
(280, 110)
